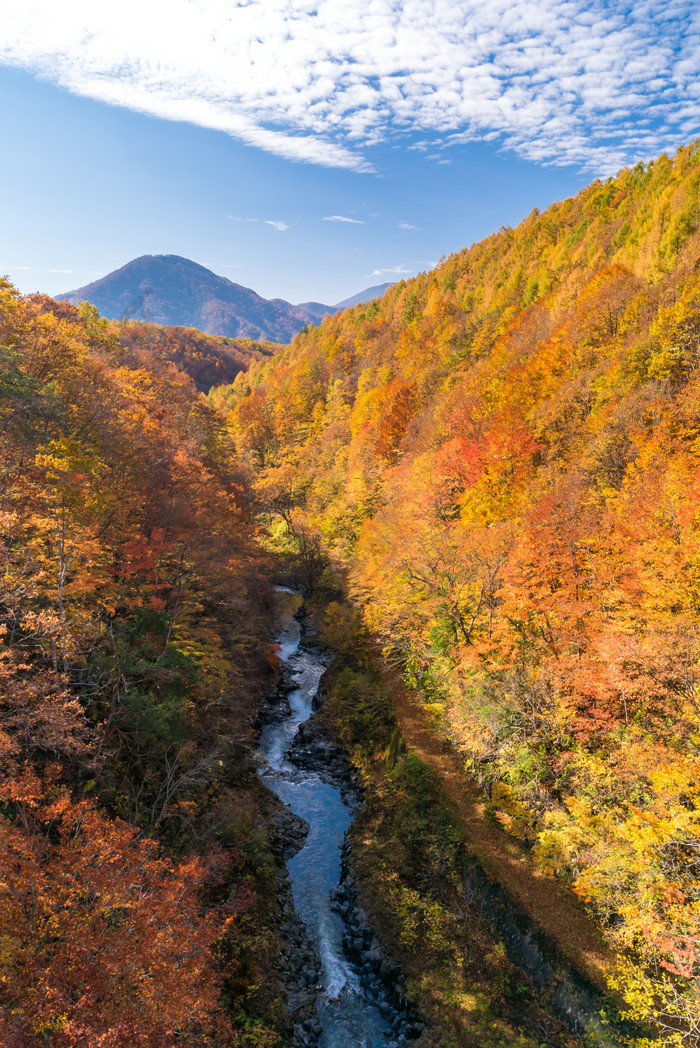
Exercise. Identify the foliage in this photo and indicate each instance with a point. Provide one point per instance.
(132, 654)
(408, 849)
(101, 940)
(503, 457)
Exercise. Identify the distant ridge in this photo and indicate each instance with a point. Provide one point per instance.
(175, 291)
(363, 296)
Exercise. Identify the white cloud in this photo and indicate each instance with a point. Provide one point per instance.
(280, 226)
(556, 81)
(407, 225)
(395, 270)
(343, 218)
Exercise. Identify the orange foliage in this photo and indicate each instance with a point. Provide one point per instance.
(513, 490)
(101, 941)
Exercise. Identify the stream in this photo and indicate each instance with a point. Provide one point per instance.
(345, 1014)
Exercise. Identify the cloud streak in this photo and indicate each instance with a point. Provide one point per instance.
(586, 82)
(281, 227)
(343, 218)
(394, 270)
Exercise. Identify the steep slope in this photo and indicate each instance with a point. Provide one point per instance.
(206, 359)
(133, 657)
(174, 291)
(504, 455)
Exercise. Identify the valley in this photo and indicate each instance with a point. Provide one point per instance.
(349, 685)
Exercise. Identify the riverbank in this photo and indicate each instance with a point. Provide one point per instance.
(407, 860)
(338, 1008)
(552, 908)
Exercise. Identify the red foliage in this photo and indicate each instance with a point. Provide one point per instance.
(101, 941)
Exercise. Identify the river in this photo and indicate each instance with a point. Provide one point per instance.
(347, 1017)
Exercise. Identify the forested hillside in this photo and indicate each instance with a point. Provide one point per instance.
(135, 873)
(210, 360)
(502, 459)
(504, 456)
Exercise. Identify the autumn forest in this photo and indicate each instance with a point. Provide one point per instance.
(486, 485)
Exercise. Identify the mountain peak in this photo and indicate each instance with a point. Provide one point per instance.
(178, 292)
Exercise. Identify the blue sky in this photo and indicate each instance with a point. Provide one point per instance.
(310, 148)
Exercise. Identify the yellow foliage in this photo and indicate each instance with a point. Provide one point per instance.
(512, 812)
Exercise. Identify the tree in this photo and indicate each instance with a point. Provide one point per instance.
(101, 941)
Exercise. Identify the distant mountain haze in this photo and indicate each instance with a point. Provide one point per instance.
(175, 291)
(363, 296)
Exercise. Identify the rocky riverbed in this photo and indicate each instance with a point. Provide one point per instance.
(341, 990)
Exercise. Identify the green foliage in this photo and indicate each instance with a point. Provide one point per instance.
(362, 708)
(396, 748)
(411, 309)
(431, 835)
(28, 409)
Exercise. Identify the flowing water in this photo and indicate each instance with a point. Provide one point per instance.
(348, 1018)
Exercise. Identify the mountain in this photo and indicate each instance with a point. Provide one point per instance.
(367, 295)
(174, 291)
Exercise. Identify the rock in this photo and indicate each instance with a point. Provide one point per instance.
(316, 749)
(289, 833)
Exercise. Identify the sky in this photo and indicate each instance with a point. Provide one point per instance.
(312, 148)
